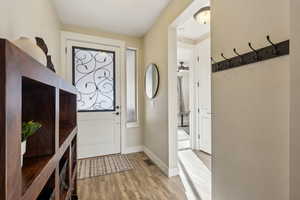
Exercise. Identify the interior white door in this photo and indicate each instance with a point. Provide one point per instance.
(205, 131)
(94, 69)
(204, 95)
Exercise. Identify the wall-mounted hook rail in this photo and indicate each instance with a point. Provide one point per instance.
(239, 55)
(255, 55)
(273, 45)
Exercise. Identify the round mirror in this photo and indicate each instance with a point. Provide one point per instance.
(152, 81)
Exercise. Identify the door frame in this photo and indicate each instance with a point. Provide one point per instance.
(172, 84)
(78, 37)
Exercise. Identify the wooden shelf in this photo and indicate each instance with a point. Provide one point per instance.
(72, 186)
(68, 134)
(67, 195)
(67, 115)
(64, 174)
(32, 167)
(64, 133)
(48, 191)
(42, 143)
(74, 157)
(30, 91)
(74, 174)
(63, 195)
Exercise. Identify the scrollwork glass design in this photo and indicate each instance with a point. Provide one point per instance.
(94, 79)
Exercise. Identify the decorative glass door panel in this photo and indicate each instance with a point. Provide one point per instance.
(95, 69)
(94, 79)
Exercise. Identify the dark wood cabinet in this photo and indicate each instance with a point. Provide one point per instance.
(30, 91)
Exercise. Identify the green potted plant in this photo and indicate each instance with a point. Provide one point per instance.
(28, 129)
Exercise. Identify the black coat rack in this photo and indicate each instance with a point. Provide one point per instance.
(255, 55)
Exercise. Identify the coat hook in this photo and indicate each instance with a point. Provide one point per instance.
(224, 57)
(213, 61)
(239, 55)
(254, 50)
(228, 61)
(273, 45)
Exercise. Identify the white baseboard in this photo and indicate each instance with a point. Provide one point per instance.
(160, 164)
(173, 172)
(135, 149)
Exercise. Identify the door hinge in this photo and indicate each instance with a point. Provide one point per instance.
(66, 50)
(198, 136)
(198, 84)
(198, 110)
(198, 59)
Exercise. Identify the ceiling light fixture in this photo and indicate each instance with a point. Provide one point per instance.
(203, 15)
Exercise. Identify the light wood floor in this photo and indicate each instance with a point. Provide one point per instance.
(145, 182)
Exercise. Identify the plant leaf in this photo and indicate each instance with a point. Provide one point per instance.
(29, 129)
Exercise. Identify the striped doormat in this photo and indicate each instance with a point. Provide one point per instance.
(104, 165)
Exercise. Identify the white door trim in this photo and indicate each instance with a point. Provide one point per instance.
(172, 74)
(65, 36)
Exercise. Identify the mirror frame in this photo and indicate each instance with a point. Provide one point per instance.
(158, 80)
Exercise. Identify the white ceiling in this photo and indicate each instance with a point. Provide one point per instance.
(130, 17)
(192, 29)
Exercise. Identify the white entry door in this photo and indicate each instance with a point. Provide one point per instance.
(95, 71)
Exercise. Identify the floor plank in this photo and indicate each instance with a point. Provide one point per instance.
(145, 182)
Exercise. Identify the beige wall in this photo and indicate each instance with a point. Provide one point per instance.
(251, 104)
(295, 101)
(156, 51)
(134, 136)
(31, 18)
